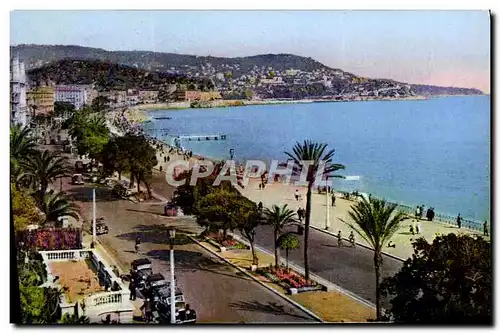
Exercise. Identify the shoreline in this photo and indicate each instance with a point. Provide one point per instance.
(168, 149)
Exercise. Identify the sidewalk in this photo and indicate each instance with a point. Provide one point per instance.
(279, 194)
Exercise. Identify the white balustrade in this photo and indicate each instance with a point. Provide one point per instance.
(104, 298)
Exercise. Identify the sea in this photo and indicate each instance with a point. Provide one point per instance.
(434, 152)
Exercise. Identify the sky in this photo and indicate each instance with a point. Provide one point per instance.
(449, 48)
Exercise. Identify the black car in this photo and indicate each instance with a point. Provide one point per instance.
(100, 226)
(140, 270)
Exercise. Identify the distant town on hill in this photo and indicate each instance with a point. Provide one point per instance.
(279, 76)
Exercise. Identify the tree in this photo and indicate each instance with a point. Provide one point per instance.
(100, 103)
(250, 219)
(288, 242)
(314, 153)
(22, 144)
(141, 158)
(44, 168)
(38, 305)
(114, 156)
(279, 217)
(446, 282)
(63, 109)
(56, 205)
(74, 319)
(376, 221)
(24, 209)
(221, 210)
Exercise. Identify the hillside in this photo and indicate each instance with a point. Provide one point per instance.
(232, 76)
(106, 75)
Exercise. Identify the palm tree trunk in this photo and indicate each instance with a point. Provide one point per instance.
(119, 175)
(255, 260)
(286, 251)
(306, 227)
(138, 183)
(376, 261)
(276, 254)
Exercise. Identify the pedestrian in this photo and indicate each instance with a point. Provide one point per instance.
(333, 200)
(299, 214)
(339, 236)
(351, 239)
(421, 211)
(260, 186)
(485, 229)
(417, 212)
(133, 291)
(297, 195)
(148, 310)
(432, 214)
(137, 244)
(165, 159)
(418, 227)
(428, 214)
(459, 221)
(412, 231)
(260, 205)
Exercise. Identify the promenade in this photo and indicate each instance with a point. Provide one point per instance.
(280, 194)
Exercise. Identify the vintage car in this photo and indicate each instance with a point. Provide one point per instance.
(139, 271)
(100, 226)
(77, 179)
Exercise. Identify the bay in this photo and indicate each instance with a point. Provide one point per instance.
(434, 152)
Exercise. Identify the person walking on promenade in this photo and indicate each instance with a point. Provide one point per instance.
(351, 239)
(299, 214)
(459, 221)
(333, 200)
(428, 214)
(418, 228)
(412, 230)
(133, 290)
(485, 229)
(417, 212)
(297, 195)
(339, 236)
(260, 205)
(137, 244)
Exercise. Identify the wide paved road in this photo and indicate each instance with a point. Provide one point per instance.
(217, 292)
(350, 268)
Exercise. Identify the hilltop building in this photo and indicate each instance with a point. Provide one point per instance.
(78, 95)
(192, 95)
(18, 107)
(40, 100)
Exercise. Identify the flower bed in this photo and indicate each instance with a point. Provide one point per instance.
(289, 279)
(52, 239)
(228, 242)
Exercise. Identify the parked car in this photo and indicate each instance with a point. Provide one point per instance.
(139, 271)
(77, 179)
(100, 226)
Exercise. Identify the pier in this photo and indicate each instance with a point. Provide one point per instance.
(205, 137)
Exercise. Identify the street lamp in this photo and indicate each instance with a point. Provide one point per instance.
(171, 238)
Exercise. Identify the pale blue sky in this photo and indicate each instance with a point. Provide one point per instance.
(441, 47)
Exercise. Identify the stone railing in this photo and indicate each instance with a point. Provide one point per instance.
(119, 297)
(105, 298)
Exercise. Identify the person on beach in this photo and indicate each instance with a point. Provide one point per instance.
(485, 229)
(459, 221)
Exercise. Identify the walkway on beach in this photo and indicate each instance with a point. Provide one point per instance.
(280, 194)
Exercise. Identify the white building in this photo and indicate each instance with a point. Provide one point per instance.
(18, 107)
(78, 95)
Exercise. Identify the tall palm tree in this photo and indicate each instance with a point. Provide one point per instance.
(56, 205)
(376, 221)
(22, 144)
(312, 155)
(279, 217)
(44, 168)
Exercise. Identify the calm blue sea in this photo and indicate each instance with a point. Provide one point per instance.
(434, 152)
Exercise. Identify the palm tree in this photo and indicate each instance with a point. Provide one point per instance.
(278, 218)
(376, 221)
(74, 319)
(22, 144)
(44, 168)
(288, 242)
(56, 205)
(312, 155)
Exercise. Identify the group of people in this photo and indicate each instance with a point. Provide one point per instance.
(419, 212)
